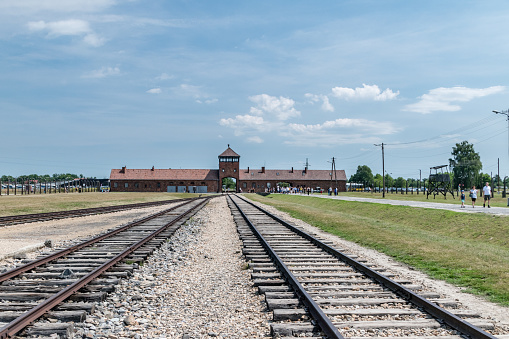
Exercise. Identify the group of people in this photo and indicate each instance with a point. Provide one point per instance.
(486, 190)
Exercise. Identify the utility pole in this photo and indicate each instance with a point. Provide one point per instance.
(506, 113)
(420, 180)
(333, 172)
(383, 169)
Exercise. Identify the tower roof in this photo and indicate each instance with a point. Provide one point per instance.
(229, 153)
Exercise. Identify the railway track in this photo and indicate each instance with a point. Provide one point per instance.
(37, 217)
(61, 288)
(314, 289)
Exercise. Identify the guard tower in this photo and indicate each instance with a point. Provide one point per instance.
(439, 183)
(228, 167)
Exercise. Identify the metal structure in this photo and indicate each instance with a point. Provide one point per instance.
(439, 183)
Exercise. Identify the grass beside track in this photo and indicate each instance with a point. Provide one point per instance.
(496, 201)
(468, 250)
(28, 204)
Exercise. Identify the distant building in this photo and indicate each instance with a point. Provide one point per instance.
(210, 180)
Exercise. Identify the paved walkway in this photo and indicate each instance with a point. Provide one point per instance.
(441, 206)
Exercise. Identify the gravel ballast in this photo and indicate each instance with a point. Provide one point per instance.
(195, 286)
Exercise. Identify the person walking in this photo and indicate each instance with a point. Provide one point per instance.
(473, 196)
(462, 199)
(486, 190)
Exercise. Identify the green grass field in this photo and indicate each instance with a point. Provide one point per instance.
(35, 203)
(469, 250)
(496, 201)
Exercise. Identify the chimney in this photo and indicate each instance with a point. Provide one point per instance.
(122, 170)
(292, 170)
(263, 169)
(152, 168)
(247, 169)
(305, 169)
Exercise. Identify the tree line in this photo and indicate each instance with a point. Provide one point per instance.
(42, 178)
(466, 168)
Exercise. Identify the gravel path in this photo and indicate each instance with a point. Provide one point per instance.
(451, 207)
(194, 287)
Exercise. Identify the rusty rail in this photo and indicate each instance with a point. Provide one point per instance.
(36, 263)
(26, 218)
(27, 318)
(434, 310)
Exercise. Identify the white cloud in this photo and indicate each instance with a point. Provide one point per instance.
(32, 6)
(93, 40)
(154, 91)
(70, 27)
(326, 105)
(255, 140)
(373, 127)
(280, 107)
(442, 98)
(242, 123)
(367, 92)
(103, 72)
(211, 101)
(164, 76)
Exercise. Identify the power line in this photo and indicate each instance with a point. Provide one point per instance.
(474, 125)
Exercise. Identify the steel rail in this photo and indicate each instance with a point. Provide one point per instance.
(36, 263)
(5, 220)
(436, 311)
(24, 320)
(316, 312)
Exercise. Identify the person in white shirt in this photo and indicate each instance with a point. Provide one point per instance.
(473, 195)
(486, 190)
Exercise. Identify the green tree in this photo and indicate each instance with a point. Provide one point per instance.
(229, 183)
(363, 175)
(466, 164)
(400, 182)
(378, 180)
(389, 181)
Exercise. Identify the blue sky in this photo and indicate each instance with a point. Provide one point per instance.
(91, 85)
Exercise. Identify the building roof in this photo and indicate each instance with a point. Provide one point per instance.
(287, 175)
(229, 153)
(164, 174)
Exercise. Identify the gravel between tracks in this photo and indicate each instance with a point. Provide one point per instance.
(193, 287)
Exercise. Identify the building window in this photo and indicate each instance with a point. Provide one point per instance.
(234, 170)
(268, 185)
(126, 185)
(158, 185)
(253, 185)
(252, 174)
(244, 185)
(136, 185)
(203, 183)
(223, 169)
(115, 185)
(277, 173)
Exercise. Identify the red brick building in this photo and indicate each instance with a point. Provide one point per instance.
(210, 180)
